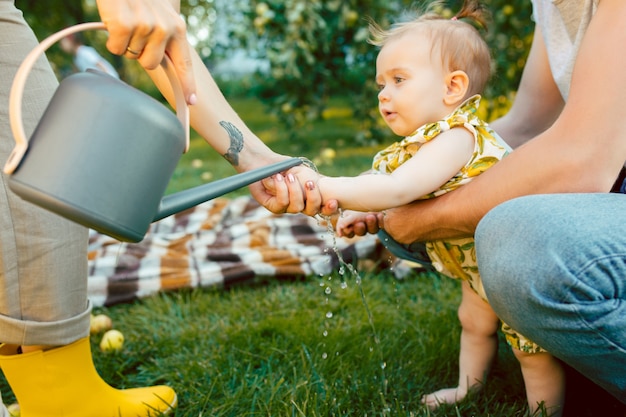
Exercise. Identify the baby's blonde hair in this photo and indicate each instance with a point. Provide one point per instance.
(460, 44)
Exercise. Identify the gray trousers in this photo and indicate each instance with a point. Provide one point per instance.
(43, 258)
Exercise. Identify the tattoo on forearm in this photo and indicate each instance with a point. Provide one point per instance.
(236, 143)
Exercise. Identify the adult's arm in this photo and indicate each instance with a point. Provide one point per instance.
(217, 122)
(538, 101)
(582, 151)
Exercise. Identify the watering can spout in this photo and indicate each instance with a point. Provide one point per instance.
(186, 199)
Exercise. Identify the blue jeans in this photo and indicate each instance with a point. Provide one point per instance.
(554, 268)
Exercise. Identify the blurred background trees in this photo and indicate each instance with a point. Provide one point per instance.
(319, 48)
(296, 54)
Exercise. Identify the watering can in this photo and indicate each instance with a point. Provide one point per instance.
(103, 152)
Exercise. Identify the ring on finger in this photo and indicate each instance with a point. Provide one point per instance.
(132, 51)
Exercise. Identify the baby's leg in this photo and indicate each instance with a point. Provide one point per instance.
(545, 381)
(479, 344)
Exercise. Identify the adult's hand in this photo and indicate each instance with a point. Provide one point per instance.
(369, 224)
(146, 30)
(294, 191)
(398, 222)
(412, 222)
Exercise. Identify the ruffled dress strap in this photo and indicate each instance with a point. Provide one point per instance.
(390, 158)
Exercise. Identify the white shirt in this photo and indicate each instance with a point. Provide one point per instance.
(87, 57)
(563, 24)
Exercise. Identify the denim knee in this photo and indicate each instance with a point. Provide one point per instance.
(502, 256)
(554, 269)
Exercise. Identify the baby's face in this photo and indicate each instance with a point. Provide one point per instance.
(412, 84)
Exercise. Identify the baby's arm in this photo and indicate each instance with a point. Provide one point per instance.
(432, 166)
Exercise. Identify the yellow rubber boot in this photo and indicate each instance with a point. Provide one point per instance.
(63, 382)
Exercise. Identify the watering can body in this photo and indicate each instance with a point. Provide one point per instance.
(97, 163)
(103, 153)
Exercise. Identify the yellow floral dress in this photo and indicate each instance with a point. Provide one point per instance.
(456, 258)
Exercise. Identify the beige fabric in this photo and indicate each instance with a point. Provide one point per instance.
(43, 258)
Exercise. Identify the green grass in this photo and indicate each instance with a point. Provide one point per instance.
(274, 350)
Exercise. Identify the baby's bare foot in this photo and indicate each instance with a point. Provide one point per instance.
(443, 396)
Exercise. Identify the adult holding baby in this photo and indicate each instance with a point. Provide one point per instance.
(550, 239)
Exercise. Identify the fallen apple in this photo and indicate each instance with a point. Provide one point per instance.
(100, 323)
(14, 410)
(112, 341)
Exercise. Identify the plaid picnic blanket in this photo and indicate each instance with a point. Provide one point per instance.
(217, 244)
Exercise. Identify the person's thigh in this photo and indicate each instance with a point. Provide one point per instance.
(554, 268)
(43, 258)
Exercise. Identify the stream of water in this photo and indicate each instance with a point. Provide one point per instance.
(343, 266)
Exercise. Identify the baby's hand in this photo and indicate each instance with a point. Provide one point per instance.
(347, 220)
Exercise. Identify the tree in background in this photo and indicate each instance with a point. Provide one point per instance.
(46, 17)
(510, 36)
(315, 48)
(50, 16)
(318, 48)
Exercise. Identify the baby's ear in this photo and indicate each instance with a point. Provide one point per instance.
(457, 83)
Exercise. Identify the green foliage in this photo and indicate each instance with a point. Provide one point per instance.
(319, 48)
(510, 35)
(46, 17)
(50, 16)
(316, 48)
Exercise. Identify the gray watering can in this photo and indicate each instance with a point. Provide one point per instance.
(103, 152)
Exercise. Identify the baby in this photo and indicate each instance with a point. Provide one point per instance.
(430, 72)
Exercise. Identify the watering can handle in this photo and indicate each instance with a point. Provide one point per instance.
(17, 89)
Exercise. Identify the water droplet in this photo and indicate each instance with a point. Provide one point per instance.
(329, 315)
(328, 290)
(344, 285)
(325, 333)
(324, 355)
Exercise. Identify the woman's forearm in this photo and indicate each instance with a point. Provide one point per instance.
(217, 122)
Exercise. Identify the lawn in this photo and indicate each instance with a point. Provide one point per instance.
(335, 345)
